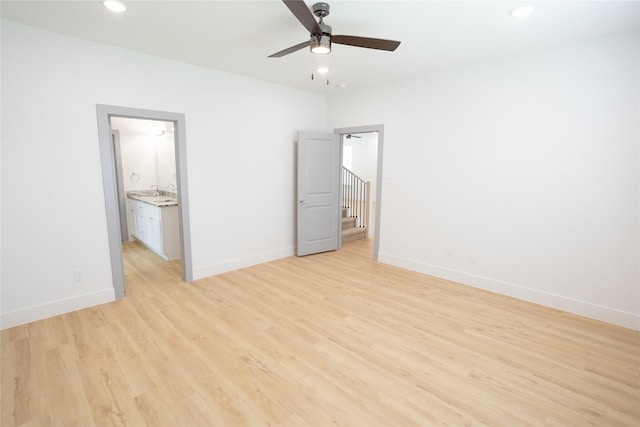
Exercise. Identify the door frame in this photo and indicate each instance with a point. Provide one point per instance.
(124, 226)
(109, 182)
(366, 129)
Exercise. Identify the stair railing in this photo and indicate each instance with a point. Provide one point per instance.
(356, 197)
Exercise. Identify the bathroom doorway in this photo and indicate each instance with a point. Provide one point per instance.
(107, 115)
(146, 177)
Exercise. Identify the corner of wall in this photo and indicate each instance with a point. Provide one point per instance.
(54, 308)
(559, 302)
(235, 264)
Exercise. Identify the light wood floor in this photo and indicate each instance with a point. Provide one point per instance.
(325, 340)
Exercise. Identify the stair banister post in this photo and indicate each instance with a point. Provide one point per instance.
(368, 208)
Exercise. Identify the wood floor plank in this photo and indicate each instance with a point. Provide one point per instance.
(333, 339)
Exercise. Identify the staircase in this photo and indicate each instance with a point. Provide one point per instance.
(349, 230)
(355, 206)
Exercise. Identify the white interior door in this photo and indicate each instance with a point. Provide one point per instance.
(318, 191)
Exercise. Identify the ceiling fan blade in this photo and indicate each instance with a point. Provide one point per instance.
(290, 50)
(304, 15)
(367, 42)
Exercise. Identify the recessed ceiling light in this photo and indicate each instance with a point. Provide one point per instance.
(114, 6)
(521, 12)
(323, 70)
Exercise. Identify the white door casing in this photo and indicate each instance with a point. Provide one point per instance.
(318, 191)
(104, 113)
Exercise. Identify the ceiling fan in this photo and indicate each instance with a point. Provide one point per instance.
(320, 33)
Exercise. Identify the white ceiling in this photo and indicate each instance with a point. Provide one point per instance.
(237, 36)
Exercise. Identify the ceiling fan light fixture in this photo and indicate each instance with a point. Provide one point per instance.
(321, 45)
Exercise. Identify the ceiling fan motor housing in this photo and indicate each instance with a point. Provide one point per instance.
(322, 41)
(326, 29)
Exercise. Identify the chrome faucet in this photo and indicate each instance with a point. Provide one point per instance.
(157, 189)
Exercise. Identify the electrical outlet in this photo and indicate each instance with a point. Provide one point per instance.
(79, 274)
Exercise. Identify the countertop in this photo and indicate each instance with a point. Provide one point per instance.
(154, 200)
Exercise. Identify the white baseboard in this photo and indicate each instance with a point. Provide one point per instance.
(54, 308)
(235, 264)
(582, 308)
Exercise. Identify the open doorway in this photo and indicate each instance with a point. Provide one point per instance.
(147, 186)
(362, 149)
(360, 164)
(107, 115)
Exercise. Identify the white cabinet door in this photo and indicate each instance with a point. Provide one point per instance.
(155, 233)
(132, 215)
(143, 223)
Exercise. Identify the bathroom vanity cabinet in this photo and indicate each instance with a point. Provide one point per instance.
(155, 226)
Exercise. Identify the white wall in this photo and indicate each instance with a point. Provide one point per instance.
(148, 158)
(365, 159)
(53, 213)
(139, 161)
(166, 152)
(519, 176)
